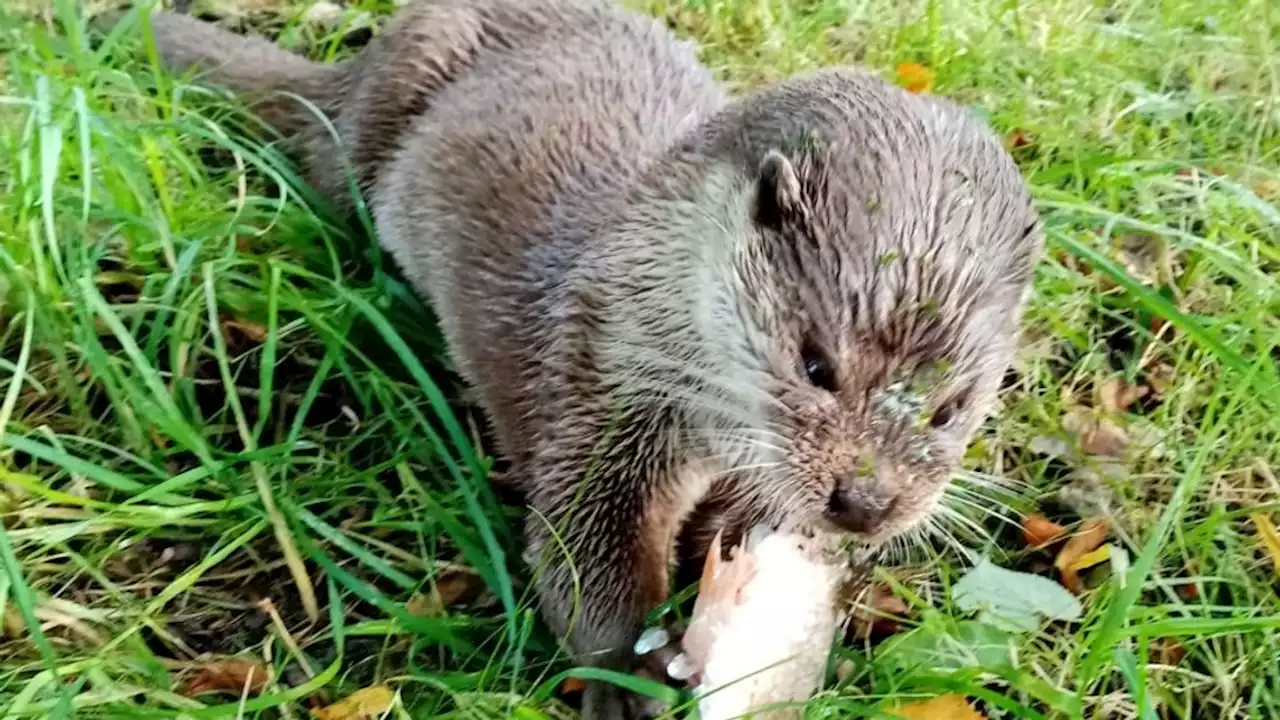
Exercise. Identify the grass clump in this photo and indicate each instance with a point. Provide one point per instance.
(229, 429)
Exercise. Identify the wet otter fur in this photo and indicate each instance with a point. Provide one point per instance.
(682, 311)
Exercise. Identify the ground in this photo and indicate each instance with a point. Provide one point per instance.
(234, 461)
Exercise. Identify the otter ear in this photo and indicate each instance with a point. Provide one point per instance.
(777, 190)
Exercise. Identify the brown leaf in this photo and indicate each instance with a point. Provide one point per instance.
(572, 686)
(235, 331)
(1038, 530)
(451, 588)
(366, 704)
(1017, 138)
(1189, 592)
(1091, 534)
(1105, 438)
(1167, 651)
(943, 707)
(231, 676)
(1097, 436)
(1116, 395)
(877, 616)
(915, 77)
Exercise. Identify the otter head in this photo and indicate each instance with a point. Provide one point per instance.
(887, 245)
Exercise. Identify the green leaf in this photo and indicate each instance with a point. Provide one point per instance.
(943, 645)
(1011, 600)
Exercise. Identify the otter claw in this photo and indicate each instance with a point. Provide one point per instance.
(658, 649)
(681, 668)
(652, 639)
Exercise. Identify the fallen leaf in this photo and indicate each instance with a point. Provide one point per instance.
(877, 616)
(1116, 395)
(914, 77)
(11, 623)
(1189, 592)
(1105, 438)
(1091, 534)
(1017, 138)
(450, 588)
(1086, 494)
(1167, 651)
(1096, 436)
(1038, 530)
(234, 331)
(1267, 189)
(231, 676)
(1091, 558)
(1012, 600)
(1269, 536)
(943, 707)
(947, 646)
(366, 704)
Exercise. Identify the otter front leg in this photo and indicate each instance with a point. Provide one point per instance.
(600, 540)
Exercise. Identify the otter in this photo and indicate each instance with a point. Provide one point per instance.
(683, 311)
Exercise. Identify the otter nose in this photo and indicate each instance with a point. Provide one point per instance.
(858, 509)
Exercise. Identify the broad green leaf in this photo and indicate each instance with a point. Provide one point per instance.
(943, 645)
(1011, 600)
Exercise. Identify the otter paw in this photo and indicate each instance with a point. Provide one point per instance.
(644, 707)
(659, 654)
(605, 701)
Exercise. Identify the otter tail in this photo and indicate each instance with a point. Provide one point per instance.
(267, 78)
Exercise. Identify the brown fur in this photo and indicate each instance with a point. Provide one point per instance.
(639, 275)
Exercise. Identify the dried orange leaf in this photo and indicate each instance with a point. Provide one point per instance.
(572, 685)
(915, 77)
(230, 676)
(366, 704)
(1269, 536)
(1038, 530)
(943, 707)
(1091, 534)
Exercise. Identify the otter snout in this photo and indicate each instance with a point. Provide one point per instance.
(859, 507)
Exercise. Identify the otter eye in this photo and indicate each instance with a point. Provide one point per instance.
(818, 369)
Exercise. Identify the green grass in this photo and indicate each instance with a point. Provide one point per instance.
(211, 392)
